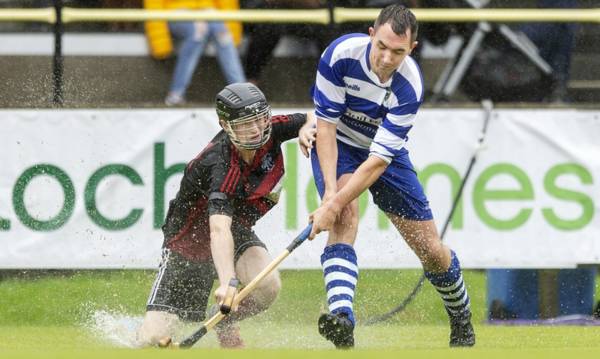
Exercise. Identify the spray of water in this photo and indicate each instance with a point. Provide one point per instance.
(116, 329)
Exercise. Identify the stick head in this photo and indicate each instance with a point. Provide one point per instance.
(167, 342)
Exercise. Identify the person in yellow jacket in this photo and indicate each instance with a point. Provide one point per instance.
(193, 38)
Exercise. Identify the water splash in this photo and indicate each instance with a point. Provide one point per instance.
(116, 329)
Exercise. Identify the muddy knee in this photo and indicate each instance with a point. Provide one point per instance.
(156, 326)
(266, 293)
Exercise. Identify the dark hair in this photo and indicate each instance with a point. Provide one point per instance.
(400, 19)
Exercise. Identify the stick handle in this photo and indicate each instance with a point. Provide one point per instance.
(227, 304)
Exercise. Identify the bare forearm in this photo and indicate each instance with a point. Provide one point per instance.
(325, 216)
(221, 248)
(222, 255)
(366, 174)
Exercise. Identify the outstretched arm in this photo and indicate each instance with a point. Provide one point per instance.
(366, 174)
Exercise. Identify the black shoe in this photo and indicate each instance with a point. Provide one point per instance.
(338, 329)
(461, 331)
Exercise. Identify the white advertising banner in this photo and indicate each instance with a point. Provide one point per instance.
(90, 188)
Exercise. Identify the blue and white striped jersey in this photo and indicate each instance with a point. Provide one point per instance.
(369, 114)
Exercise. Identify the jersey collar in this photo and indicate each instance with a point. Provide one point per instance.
(367, 53)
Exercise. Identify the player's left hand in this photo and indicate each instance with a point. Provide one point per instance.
(307, 137)
(323, 219)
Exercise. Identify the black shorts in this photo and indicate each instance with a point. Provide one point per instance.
(182, 286)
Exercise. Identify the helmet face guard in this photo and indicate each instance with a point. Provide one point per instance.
(252, 131)
(245, 115)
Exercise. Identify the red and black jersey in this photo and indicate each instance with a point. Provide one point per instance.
(218, 181)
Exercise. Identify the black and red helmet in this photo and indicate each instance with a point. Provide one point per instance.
(245, 115)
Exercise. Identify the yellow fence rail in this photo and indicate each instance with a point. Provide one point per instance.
(318, 16)
(28, 15)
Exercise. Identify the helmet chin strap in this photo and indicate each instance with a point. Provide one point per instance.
(252, 147)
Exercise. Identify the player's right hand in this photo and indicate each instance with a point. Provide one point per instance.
(221, 294)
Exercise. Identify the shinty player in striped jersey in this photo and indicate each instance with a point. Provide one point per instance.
(367, 93)
(208, 232)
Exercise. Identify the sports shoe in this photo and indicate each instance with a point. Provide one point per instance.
(461, 331)
(338, 329)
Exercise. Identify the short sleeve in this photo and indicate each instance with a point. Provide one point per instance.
(286, 127)
(329, 91)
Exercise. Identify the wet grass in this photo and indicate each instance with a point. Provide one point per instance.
(48, 316)
(277, 336)
(67, 298)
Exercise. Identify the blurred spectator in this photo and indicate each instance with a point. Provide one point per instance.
(264, 37)
(193, 37)
(436, 33)
(555, 42)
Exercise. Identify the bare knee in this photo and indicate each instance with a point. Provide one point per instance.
(266, 293)
(349, 215)
(346, 226)
(156, 326)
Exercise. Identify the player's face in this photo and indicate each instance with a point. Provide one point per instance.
(253, 132)
(388, 50)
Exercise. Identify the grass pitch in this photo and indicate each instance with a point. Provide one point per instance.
(302, 342)
(70, 316)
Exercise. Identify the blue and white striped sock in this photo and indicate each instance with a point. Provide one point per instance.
(452, 289)
(340, 270)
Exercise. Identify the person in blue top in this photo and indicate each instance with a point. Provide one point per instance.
(367, 94)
